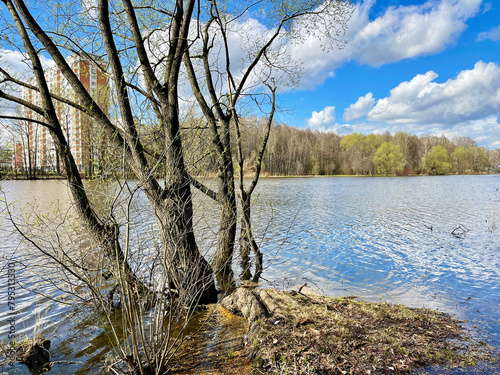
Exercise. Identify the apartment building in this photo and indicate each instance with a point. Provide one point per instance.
(84, 139)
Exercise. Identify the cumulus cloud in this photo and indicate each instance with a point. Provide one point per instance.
(400, 33)
(474, 94)
(492, 34)
(323, 119)
(468, 104)
(245, 37)
(484, 131)
(13, 61)
(360, 108)
(409, 31)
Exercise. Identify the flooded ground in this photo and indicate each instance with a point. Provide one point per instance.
(222, 352)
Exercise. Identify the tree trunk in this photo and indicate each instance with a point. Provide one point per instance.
(219, 125)
(184, 265)
(29, 172)
(104, 234)
(186, 268)
(247, 241)
(223, 259)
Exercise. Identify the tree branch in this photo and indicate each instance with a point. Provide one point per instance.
(152, 81)
(87, 101)
(260, 157)
(15, 99)
(26, 119)
(57, 97)
(203, 188)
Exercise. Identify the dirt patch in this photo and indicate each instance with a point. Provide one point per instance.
(305, 333)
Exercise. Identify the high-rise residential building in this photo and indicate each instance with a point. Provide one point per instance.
(84, 139)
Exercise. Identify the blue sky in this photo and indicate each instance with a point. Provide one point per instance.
(424, 67)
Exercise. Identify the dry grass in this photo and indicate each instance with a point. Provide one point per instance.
(312, 334)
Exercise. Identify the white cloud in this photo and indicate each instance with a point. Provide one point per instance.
(89, 7)
(487, 7)
(360, 108)
(468, 104)
(13, 61)
(245, 37)
(406, 32)
(484, 131)
(400, 33)
(473, 95)
(492, 34)
(323, 119)
(19, 64)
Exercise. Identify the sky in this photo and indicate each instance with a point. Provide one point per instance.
(423, 67)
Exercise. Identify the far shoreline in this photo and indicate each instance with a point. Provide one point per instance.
(41, 177)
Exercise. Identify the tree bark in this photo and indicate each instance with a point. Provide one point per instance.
(247, 241)
(184, 265)
(226, 195)
(223, 259)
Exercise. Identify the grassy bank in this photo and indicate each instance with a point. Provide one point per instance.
(305, 333)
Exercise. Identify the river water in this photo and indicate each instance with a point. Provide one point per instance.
(421, 241)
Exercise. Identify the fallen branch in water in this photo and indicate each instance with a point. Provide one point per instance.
(460, 231)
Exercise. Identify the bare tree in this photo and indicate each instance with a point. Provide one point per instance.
(224, 83)
(172, 203)
(148, 45)
(19, 130)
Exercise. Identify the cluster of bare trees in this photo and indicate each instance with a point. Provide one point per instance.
(166, 61)
(293, 151)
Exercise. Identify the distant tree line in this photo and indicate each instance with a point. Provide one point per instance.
(293, 151)
(299, 152)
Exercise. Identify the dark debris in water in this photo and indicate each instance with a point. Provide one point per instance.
(460, 231)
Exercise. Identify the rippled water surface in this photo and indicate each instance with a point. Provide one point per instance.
(421, 241)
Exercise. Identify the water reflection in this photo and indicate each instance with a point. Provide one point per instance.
(378, 238)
